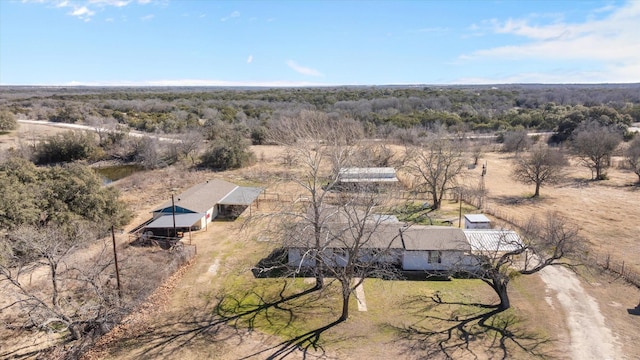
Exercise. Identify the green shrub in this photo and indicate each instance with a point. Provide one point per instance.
(66, 147)
(7, 121)
(227, 154)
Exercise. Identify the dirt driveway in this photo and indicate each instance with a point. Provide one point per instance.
(590, 337)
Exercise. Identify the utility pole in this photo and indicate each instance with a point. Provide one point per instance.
(115, 259)
(173, 212)
(460, 210)
(484, 172)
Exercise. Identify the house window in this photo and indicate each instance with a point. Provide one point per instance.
(435, 257)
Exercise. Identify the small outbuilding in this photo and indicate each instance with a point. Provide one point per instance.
(476, 221)
(375, 177)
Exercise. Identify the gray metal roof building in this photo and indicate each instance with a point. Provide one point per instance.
(373, 174)
(492, 241)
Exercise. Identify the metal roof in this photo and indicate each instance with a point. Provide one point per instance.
(373, 174)
(201, 197)
(477, 218)
(493, 240)
(182, 221)
(384, 235)
(422, 237)
(241, 196)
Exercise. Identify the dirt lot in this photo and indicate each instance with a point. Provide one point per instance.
(179, 322)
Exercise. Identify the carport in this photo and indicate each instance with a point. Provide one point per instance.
(164, 225)
(237, 201)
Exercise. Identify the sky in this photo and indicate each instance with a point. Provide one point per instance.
(317, 43)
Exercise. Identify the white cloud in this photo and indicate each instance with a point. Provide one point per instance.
(115, 3)
(86, 9)
(250, 59)
(234, 14)
(82, 13)
(147, 17)
(610, 42)
(303, 70)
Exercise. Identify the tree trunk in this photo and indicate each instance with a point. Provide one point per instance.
(537, 193)
(319, 279)
(346, 294)
(501, 289)
(436, 202)
(598, 167)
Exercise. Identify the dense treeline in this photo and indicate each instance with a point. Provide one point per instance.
(479, 108)
(229, 119)
(41, 196)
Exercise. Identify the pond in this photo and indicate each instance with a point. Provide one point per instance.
(113, 173)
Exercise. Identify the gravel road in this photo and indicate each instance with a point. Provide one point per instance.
(590, 337)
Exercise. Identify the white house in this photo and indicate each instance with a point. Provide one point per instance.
(410, 248)
(434, 248)
(416, 247)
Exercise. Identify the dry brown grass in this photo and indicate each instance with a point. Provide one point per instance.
(608, 213)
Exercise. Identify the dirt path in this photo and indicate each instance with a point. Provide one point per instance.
(590, 337)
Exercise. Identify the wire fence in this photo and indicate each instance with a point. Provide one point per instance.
(603, 261)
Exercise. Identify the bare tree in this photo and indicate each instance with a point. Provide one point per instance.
(593, 144)
(516, 141)
(542, 165)
(436, 166)
(102, 126)
(51, 291)
(355, 243)
(543, 244)
(320, 147)
(188, 145)
(476, 148)
(146, 152)
(632, 155)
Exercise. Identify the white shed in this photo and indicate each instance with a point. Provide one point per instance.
(476, 221)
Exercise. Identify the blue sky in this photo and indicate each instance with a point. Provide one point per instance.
(301, 43)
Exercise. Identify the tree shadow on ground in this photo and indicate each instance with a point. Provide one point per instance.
(514, 200)
(303, 343)
(229, 319)
(454, 330)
